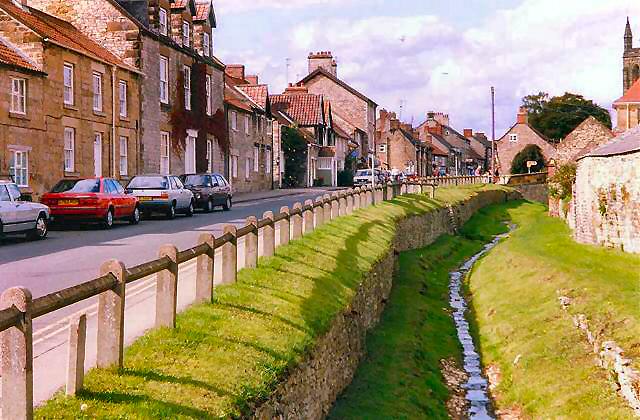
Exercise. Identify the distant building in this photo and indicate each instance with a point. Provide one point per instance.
(399, 148)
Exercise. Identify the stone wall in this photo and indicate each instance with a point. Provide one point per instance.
(534, 192)
(589, 135)
(607, 201)
(311, 388)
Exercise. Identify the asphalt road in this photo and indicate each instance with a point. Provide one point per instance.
(70, 257)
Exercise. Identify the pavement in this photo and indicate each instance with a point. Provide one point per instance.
(70, 257)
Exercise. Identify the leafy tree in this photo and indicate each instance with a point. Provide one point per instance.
(531, 152)
(294, 147)
(558, 116)
(561, 183)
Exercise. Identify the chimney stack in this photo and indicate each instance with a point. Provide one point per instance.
(468, 133)
(395, 124)
(523, 116)
(324, 60)
(235, 71)
(252, 79)
(296, 89)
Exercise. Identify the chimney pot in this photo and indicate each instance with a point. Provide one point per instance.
(468, 132)
(523, 116)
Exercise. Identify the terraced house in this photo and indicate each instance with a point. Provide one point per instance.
(182, 124)
(69, 107)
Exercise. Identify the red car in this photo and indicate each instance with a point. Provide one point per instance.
(94, 200)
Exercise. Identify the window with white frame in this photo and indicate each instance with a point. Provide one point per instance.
(164, 79)
(256, 158)
(247, 168)
(211, 42)
(97, 92)
(513, 138)
(205, 44)
(208, 88)
(187, 87)
(68, 84)
(267, 161)
(186, 36)
(19, 167)
(246, 124)
(382, 148)
(124, 155)
(69, 149)
(234, 120)
(190, 155)
(164, 153)
(122, 87)
(209, 156)
(18, 96)
(162, 18)
(270, 127)
(234, 166)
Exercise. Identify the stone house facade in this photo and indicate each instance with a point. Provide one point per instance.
(520, 136)
(183, 126)
(349, 105)
(587, 136)
(72, 108)
(481, 146)
(248, 113)
(627, 108)
(607, 194)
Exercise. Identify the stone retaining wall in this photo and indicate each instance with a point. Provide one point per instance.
(312, 387)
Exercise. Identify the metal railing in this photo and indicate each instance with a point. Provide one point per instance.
(19, 309)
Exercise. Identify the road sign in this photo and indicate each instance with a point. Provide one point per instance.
(531, 163)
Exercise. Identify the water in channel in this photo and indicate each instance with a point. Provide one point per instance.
(476, 386)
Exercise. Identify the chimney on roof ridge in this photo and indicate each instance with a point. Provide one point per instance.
(235, 70)
(468, 133)
(324, 60)
(296, 90)
(523, 116)
(252, 79)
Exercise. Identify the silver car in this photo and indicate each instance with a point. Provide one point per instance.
(18, 216)
(162, 194)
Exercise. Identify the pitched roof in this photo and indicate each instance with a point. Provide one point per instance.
(236, 99)
(259, 93)
(631, 96)
(322, 72)
(340, 131)
(304, 108)
(14, 57)
(627, 142)
(482, 139)
(438, 151)
(58, 31)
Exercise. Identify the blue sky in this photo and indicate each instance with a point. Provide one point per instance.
(436, 55)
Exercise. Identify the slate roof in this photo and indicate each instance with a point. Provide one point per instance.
(304, 108)
(631, 96)
(322, 72)
(482, 139)
(259, 93)
(58, 31)
(13, 57)
(627, 142)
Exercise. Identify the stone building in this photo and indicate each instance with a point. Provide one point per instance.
(587, 136)
(182, 125)
(350, 107)
(481, 146)
(519, 137)
(630, 60)
(248, 111)
(628, 108)
(399, 148)
(607, 194)
(70, 108)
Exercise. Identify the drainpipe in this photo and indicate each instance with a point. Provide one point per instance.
(113, 121)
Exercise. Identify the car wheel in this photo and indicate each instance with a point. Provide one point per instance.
(171, 213)
(41, 231)
(209, 207)
(189, 212)
(135, 216)
(108, 220)
(227, 204)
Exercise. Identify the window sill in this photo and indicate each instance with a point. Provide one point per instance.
(165, 107)
(126, 119)
(99, 113)
(68, 174)
(18, 115)
(71, 107)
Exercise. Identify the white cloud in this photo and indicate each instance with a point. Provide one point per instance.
(238, 6)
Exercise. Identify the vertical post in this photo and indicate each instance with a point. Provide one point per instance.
(75, 359)
(17, 357)
(230, 256)
(318, 210)
(296, 222)
(327, 207)
(204, 270)
(167, 289)
(356, 198)
(284, 227)
(110, 346)
(251, 244)
(268, 236)
(363, 197)
(349, 200)
(342, 205)
(335, 206)
(307, 216)
(388, 192)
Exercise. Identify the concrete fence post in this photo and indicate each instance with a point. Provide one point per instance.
(75, 354)
(284, 227)
(296, 222)
(318, 211)
(268, 237)
(204, 270)
(110, 345)
(167, 289)
(16, 345)
(364, 191)
(380, 194)
(230, 256)
(388, 192)
(369, 196)
(403, 188)
(335, 206)
(251, 244)
(327, 207)
(349, 200)
(356, 199)
(307, 216)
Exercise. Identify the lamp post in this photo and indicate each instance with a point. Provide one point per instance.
(493, 132)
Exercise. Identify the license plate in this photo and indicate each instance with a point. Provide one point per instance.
(67, 202)
(145, 198)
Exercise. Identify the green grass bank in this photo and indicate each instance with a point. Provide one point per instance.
(544, 365)
(224, 357)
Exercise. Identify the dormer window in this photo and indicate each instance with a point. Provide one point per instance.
(186, 34)
(206, 44)
(162, 22)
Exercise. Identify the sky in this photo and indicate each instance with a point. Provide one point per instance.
(417, 56)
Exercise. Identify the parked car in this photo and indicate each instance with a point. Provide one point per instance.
(209, 191)
(363, 177)
(101, 200)
(19, 216)
(162, 194)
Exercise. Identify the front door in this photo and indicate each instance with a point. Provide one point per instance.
(97, 154)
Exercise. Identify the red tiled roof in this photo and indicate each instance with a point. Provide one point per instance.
(234, 98)
(13, 57)
(258, 93)
(304, 108)
(631, 96)
(58, 31)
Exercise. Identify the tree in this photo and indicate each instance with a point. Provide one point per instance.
(558, 116)
(294, 147)
(531, 152)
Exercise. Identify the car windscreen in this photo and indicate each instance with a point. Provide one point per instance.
(148, 183)
(196, 180)
(363, 173)
(77, 186)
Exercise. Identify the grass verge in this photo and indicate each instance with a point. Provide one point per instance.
(518, 317)
(223, 357)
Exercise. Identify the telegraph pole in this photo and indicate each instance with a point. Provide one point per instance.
(493, 132)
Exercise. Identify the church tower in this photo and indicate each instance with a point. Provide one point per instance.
(631, 60)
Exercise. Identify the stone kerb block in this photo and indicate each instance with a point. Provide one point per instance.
(284, 227)
(167, 289)
(16, 353)
(76, 353)
(296, 223)
(318, 211)
(307, 217)
(268, 237)
(204, 270)
(230, 256)
(251, 244)
(110, 345)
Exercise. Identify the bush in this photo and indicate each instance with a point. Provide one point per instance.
(561, 183)
(345, 178)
